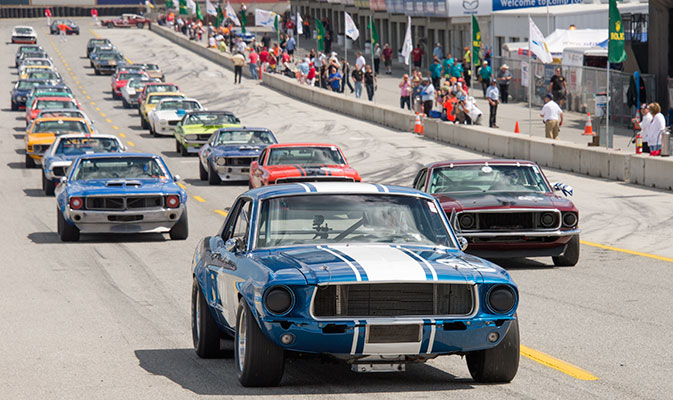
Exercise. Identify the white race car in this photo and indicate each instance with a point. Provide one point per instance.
(132, 89)
(168, 113)
(24, 34)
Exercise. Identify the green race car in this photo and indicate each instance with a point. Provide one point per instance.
(196, 127)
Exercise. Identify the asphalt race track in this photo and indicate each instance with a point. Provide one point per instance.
(108, 317)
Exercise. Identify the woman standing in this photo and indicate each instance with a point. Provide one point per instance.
(405, 94)
(370, 82)
(657, 126)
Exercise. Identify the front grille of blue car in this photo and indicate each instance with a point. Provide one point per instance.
(393, 300)
(122, 203)
(240, 161)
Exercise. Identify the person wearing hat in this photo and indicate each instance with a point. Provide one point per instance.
(485, 73)
(436, 73)
(504, 78)
(552, 115)
(493, 98)
(239, 61)
(427, 96)
(644, 124)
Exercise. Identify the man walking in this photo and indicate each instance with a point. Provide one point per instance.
(486, 73)
(252, 59)
(504, 79)
(417, 54)
(357, 81)
(552, 115)
(558, 88)
(388, 58)
(360, 62)
(436, 73)
(238, 61)
(493, 97)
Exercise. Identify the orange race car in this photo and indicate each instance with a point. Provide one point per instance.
(301, 162)
(43, 131)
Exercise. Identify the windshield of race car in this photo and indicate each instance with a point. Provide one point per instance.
(488, 178)
(34, 54)
(37, 61)
(108, 55)
(78, 146)
(244, 137)
(43, 75)
(61, 126)
(211, 119)
(27, 84)
(356, 218)
(151, 67)
(317, 155)
(125, 76)
(25, 49)
(162, 88)
(47, 104)
(137, 83)
(156, 99)
(127, 168)
(178, 105)
(23, 31)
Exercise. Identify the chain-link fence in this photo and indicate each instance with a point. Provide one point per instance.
(583, 84)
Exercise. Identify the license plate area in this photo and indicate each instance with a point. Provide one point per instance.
(395, 333)
(124, 218)
(245, 169)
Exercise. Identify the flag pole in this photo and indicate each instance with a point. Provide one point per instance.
(608, 137)
(409, 63)
(471, 49)
(530, 84)
(345, 43)
(371, 34)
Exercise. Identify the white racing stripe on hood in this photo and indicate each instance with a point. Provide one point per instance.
(355, 270)
(385, 263)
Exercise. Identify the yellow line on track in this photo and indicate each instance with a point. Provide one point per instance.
(103, 115)
(94, 33)
(108, 120)
(68, 68)
(115, 127)
(83, 91)
(635, 253)
(93, 103)
(123, 135)
(181, 185)
(221, 212)
(555, 363)
(88, 97)
(128, 60)
(199, 199)
(131, 143)
(97, 108)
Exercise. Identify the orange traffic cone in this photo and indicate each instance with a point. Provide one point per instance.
(516, 127)
(418, 126)
(588, 130)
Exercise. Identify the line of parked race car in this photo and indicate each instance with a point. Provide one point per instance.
(310, 260)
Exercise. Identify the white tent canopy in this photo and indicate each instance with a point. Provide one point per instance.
(562, 38)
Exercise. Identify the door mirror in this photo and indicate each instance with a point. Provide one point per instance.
(232, 245)
(176, 178)
(462, 242)
(567, 190)
(63, 179)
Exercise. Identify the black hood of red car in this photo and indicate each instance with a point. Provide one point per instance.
(480, 200)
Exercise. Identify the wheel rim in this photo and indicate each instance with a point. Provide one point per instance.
(197, 318)
(242, 329)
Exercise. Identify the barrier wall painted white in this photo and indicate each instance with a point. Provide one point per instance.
(599, 162)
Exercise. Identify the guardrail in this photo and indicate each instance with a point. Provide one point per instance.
(566, 156)
(64, 11)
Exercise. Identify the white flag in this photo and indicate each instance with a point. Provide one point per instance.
(210, 8)
(231, 14)
(408, 45)
(264, 18)
(191, 5)
(351, 30)
(537, 44)
(300, 25)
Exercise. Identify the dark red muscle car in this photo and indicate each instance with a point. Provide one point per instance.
(505, 208)
(127, 21)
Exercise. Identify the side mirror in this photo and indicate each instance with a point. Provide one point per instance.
(562, 187)
(232, 245)
(176, 178)
(462, 242)
(63, 179)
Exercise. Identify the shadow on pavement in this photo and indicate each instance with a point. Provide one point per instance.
(16, 165)
(19, 136)
(19, 129)
(302, 376)
(52, 237)
(195, 182)
(522, 263)
(34, 192)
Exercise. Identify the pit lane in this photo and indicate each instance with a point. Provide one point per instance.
(109, 316)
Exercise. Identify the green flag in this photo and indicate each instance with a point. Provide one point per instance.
(320, 28)
(244, 21)
(169, 4)
(375, 34)
(616, 52)
(277, 28)
(476, 40)
(183, 10)
(198, 11)
(219, 19)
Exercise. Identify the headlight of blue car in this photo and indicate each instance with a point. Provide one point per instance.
(221, 161)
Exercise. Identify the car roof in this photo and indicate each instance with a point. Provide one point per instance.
(55, 98)
(242, 128)
(478, 162)
(51, 119)
(87, 135)
(23, 26)
(160, 94)
(120, 155)
(273, 146)
(209, 112)
(310, 188)
(58, 110)
(182, 99)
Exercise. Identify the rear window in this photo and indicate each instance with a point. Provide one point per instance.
(162, 88)
(28, 84)
(156, 99)
(46, 104)
(61, 126)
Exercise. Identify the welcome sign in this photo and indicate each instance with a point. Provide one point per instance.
(499, 5)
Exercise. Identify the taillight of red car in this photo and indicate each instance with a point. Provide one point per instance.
(76, 203)
(172, 201)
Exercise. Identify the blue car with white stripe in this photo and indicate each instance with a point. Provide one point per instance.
(370, 274)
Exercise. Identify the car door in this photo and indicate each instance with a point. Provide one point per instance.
(419, 180)
(226, 270)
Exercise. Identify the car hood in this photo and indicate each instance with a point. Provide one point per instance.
(470, 201)
(20, 92)
(383, 263)
(167, 114)
(122, 187)
(237, 150)
(198, 128)
(325, 170)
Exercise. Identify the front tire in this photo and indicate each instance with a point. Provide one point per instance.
(180, 231)
(203, 174)
(110, 25)
(205, 332)
(67, 232)
(143, 123)
(140, 25)
(125, 104)
(15, 107)
(48, 186)
(30, 163)
(213, 178)
(572, 254)
(258, 361)
(499, 364)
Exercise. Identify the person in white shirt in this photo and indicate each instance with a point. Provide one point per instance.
(552, 115)
(360, 62)
(657, 125)
(645, 120)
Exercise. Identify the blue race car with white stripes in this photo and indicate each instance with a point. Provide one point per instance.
(370, 274)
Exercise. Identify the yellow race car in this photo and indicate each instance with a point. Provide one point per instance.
(23, 72)
(43, 131)
(151, 102)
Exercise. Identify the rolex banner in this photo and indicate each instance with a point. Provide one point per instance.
(616, 52)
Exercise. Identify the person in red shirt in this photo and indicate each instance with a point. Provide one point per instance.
(449, 104)
(47, 13)
(253, 58)
(310, 77)
(290, 27)
(417, 54)
(264, 58)
(388, 58)
(94, 15)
